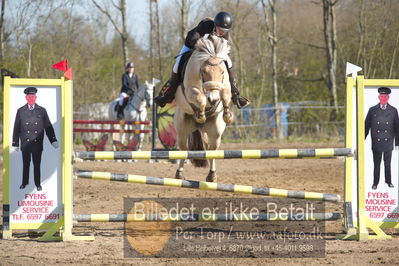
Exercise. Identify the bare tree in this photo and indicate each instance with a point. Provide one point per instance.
(393, 56)
(241, 14)
(184, 18)
(158, 39)
(330, 38)
(25, 16)
(151, 40)
(271, 32)
(121, 29)
(3, 4)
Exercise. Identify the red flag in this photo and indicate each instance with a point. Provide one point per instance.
(68, 74)
(63, 65)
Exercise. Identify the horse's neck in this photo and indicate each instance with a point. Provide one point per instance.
(192, 77)
(138, 100)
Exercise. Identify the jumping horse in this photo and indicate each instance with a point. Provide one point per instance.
(202, 102)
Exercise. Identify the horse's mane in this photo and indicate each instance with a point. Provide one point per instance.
(211, 46)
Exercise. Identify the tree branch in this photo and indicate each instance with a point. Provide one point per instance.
(306, 80)
(105, 12)
(116, 6)
(311, 45)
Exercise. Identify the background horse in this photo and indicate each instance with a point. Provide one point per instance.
(136, 109)
(94, 111)
(203, 101)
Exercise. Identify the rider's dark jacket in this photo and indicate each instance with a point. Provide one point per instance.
(130, 85)
(206, 26)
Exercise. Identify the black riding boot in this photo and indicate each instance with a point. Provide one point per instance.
(238, 100)
(120, 115)
(167, 94)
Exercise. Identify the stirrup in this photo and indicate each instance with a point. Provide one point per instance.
(241, 102)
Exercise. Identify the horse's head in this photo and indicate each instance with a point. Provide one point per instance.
(212, 75)
(142, 98)
(148, 92)
(212, 52)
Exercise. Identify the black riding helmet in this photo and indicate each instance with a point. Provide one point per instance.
(129, 64)
(223, 20)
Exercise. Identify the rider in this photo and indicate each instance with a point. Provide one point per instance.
(219, 26)
(130, 85)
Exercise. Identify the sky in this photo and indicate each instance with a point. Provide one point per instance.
(140, 19)
(137, 13)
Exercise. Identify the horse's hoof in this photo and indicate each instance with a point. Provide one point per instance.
(200, 118)
(179, 175)
(211, 176)
(228, 117)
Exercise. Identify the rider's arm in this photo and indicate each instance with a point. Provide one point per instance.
(125, 82)
(137, 82)
(205, 26)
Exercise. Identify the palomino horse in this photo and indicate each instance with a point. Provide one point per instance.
(203, 101)
(135, 109)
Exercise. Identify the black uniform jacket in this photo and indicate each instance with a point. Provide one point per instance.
(130, 85)
(29, 127)
(206, 26)
(384, 125)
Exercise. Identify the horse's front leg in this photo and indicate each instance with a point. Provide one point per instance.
(228, 116)
(141, 137)
(198, 99)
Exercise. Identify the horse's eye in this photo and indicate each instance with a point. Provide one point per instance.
(222, 72)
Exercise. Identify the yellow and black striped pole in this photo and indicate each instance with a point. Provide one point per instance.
(264, 191)
(222, 154)
(238, 217)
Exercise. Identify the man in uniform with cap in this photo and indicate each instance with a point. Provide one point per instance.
(130, 85)
(30, 123)
(383, 121)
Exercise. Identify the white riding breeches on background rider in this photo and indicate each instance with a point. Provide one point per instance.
(122, 96)
(185, 49)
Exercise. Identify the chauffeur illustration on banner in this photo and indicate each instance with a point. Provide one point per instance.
(30, 123)
(383, 121)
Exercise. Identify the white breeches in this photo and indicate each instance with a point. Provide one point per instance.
(122, 96)
(186, 49)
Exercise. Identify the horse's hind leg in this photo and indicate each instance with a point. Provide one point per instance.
(179, 171)
(211, 177)
(182, 143)
(214, 131)
(214, 143)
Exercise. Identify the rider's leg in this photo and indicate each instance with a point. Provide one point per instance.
(168, 94)
(123, 99)
(237, 99)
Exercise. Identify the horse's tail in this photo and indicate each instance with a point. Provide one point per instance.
(198, 142)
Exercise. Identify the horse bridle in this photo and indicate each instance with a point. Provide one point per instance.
(212, 109)
(209, 64)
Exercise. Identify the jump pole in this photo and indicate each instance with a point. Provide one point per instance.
(98, 130)
(218, 154)
(201, 185)
(110, 122)
(239, 217)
